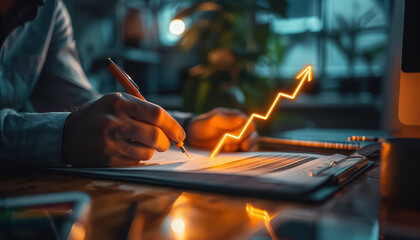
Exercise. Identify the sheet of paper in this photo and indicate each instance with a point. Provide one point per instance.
(175, 160)
(271, 166)
(169, 160)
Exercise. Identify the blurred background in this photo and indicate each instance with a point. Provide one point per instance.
(197, 55)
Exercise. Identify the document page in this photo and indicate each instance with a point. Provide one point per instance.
(271, 166)
(279, 172)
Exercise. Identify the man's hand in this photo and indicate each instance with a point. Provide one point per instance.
(117, 130)
(205, 130)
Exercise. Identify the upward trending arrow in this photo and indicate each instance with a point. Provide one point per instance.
(306, 73)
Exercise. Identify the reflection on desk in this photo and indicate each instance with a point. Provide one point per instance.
(355, 212)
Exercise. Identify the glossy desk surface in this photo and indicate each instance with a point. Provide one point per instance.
(356, 212)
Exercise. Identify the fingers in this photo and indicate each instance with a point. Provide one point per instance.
(99, 134)
(135, 151)
(154, 115)
(241, 145)
(118, 160)
(249, 142)
(226, 111)
(206, 130)
(232, 146)
(128, 153)
(145, 134)
(229, 121)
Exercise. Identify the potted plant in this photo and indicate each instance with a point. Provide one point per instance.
(345, 38)
(228, 42)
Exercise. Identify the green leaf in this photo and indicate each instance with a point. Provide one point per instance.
(187, 12)
(276, 50)
(343, 24)
(261, 32)
(372, 52)
(368, 16)
(202, 93)
(189, 39)
(336, 39)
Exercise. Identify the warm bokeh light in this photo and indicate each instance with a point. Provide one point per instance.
(255, 212)
(263, 215)
(305, 74)
(178, 226)
(77, 232)
(177, 27)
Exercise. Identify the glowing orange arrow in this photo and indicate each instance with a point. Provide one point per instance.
(304, 74)
(259, 213)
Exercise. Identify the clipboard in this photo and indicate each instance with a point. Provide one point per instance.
(334, 177)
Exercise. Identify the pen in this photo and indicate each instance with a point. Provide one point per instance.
(131, 87)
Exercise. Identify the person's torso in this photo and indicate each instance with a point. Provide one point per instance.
(22, 56)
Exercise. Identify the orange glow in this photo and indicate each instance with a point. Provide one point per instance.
(262, 214)
(304, 74)
(361, 138)
(77, 232)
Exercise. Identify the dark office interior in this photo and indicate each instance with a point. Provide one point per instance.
(329, 90)
(239, 54)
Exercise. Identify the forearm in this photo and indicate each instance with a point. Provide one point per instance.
(30, 139)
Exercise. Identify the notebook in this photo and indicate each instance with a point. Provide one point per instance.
(318, 140)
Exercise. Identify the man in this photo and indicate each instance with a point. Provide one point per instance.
(41, 78)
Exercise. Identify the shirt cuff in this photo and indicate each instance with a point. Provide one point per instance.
(40, 140)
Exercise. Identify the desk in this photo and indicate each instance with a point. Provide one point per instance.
(355, 212)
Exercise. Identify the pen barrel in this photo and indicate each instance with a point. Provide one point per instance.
(126, 84)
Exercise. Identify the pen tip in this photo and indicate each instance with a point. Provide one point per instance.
(182, 148)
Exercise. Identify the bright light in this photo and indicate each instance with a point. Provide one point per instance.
(255, 212)
(177, 27)
(77, 232)
(178, 226)
(262, 214)
(304, 74)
